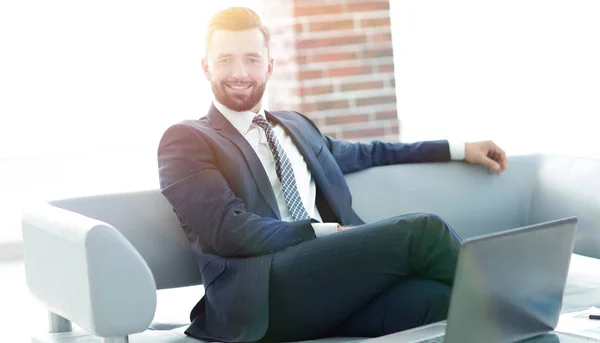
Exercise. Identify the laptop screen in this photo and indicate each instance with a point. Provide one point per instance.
(509, 285)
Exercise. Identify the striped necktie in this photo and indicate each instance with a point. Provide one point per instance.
(284, 170)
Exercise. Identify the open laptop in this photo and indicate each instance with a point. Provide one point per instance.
(508, 287)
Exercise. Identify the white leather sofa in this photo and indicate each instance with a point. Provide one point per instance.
(97, 262)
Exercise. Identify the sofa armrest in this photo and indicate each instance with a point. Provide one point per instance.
(85, 271)
(569, 186)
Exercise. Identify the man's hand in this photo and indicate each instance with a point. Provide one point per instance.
(488, 154)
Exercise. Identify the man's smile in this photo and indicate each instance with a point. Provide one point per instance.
(238, 87)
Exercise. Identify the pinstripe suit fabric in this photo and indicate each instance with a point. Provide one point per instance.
(318, 286)
(221, 194)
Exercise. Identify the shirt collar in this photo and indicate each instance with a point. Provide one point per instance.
(240, 120)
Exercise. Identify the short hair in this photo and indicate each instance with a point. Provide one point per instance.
(236, 19)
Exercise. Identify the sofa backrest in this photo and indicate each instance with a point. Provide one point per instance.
(470, 199)
(570, 186)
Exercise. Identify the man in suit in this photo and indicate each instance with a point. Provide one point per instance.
(262, 198)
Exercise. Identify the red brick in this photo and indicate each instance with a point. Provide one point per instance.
(302, 59)
(381, 38)
(376, 100)
(310, 74)
(319, 121)
(354, 134)
(349, 52)
(307, 2)
(329, 105)
(331, 25)
(385, 68)
(347, 71)
(334, 56)
(328, 42)
(302, 108)
(369, 6)
(302, 11)
(384, 52)
(362, 85)
(374, 22)
(386, 115)
(316, 90)
(351, 119)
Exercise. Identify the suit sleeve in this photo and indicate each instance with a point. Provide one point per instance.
(356, 156)
(213, 218)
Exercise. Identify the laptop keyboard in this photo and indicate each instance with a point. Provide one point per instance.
(438, 339)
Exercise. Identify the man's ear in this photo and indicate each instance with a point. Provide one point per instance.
(205, 69)
(269, 69)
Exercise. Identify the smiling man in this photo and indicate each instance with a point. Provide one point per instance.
(262, 198)
(238, 86)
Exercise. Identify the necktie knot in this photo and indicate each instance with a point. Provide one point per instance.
(261, 121)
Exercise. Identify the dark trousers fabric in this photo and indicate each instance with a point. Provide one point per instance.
(366, 281)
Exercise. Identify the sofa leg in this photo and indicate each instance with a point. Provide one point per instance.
(115, 339)
(57, 323)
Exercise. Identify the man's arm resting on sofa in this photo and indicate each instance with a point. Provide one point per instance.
(356, 156)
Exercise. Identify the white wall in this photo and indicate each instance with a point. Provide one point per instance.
(96, 75)
(108, 75)
(525, 73)
(86, 90)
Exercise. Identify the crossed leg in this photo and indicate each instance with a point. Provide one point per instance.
(370, 280)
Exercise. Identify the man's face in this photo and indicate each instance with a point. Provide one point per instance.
(238, 68)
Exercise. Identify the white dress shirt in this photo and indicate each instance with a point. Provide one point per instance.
(257, 139)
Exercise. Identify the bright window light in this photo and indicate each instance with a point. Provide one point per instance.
(86, 90)
(523, 73)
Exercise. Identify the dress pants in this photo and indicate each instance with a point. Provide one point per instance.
(366, 281)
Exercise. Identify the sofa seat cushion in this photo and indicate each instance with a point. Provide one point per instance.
(152, 336)
(173, 305)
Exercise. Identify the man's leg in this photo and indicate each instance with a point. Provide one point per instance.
(409, 303)
(319, 284)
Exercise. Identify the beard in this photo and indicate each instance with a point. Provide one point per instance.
(238, 102)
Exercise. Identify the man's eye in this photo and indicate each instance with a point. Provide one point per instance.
(253, 60)
(224, 60)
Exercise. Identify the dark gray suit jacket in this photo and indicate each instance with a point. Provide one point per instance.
(224, 201)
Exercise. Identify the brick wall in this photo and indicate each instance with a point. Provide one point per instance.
(334, 63)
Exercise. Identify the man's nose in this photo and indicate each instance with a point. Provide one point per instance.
(239, 71)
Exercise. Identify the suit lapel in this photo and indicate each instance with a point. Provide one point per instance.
(224, 128)
(309, 156)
